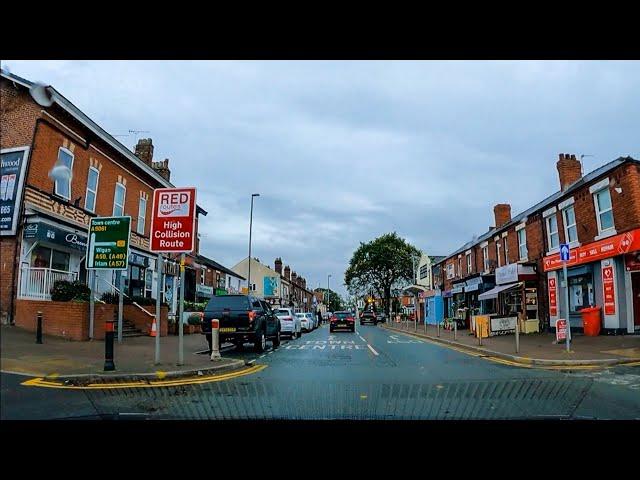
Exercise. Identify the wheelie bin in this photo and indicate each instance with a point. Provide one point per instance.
(591, 321)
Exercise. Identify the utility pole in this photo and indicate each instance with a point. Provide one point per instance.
(250, 228)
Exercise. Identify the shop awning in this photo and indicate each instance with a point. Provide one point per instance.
(414, 289)
(493, 293)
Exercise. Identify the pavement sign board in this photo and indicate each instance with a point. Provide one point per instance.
(108, 245)
(561, 329)
(173, 220)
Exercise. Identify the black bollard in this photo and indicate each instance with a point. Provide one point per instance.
(39, 328)
(108, 344)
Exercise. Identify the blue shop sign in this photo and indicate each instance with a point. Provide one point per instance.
(47, 233)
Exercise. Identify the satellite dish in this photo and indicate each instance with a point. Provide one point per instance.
(40, 93)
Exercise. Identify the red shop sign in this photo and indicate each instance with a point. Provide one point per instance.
(561, 329)
(609, 247)
(173, 220)
(553, 302)
(608, 282)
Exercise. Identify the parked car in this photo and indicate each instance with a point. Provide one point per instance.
(289, 323)
(306, 323)
(243, 318)
(313, 318)
(382, 317)
(342, 320)
(368, 316)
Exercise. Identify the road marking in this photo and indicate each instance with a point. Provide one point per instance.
(41, 382)
(362, 338)
(518, 364)
(371, 348)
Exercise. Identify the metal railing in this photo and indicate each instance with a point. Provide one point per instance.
(36, 283)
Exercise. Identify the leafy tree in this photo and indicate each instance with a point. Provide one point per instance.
(336, 303)
(382, 264)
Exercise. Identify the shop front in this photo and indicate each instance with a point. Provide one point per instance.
(459, 307)
(601, 274)
(473, 287)
(515, 299)
(50, 252)
(433, 307)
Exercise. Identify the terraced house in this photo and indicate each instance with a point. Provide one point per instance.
(512, 271)
(45, 222)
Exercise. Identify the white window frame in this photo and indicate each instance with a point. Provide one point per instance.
(143, 217)
(567, 226)
(55, 183)
(203, 272)
(520, 245)
(124, 199)
(498, 246)
(469, 263)
(485, 258)
(552, 248)
(609, 231)
(95, 192)
(506, 250)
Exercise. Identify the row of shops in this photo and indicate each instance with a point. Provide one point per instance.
(604, 274)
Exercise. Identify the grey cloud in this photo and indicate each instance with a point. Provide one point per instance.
(344, 151)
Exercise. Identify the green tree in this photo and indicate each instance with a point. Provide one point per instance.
(336, 303)
(381, 264)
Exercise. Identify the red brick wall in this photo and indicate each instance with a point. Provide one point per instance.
(7, 266)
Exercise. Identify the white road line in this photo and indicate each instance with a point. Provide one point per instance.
(361, 338)
(372, 350)
(270, 352)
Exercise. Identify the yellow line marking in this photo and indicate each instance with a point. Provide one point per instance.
(518, 364)
(41, 382)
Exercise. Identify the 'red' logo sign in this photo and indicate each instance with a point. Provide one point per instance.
(173, 220)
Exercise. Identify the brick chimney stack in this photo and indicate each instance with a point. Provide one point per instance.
(144, 150)
(287, 273)
(294, 277)
(569, 170)
(162, 167)
(278, 265)
(502, 214)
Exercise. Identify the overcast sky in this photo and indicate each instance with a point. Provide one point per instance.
(344, 151)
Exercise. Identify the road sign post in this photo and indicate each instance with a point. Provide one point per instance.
(108, 249)
(565, 254)
(173, 231)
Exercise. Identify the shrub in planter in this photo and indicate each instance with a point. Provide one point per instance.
(62, 291)
(108, 297)
(82, 291)
(195, 319)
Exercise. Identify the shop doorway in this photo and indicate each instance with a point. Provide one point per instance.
(635, 290)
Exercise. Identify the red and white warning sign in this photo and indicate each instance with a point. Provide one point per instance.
(553, 299)
(173, 220)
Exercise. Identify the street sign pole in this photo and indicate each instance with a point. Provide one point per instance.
(158, 304)
(180, 314)
(92, 302)
(566, 302)
(565, 254)
(120, 303)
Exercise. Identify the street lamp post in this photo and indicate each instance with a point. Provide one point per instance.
(250, 228)
(328, 292)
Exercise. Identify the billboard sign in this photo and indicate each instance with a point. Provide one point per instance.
(173, 220)
(270, 286)
(12, 167)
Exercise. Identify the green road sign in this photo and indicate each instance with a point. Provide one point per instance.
(108, 245)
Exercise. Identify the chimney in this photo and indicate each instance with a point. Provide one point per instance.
(502, 214)
(287, 273)
(144, 150)
(162, 168)
(569, 170)
(278, 265)
(294, 277)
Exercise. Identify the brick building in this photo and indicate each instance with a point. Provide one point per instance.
(598, 215)
(44, 224)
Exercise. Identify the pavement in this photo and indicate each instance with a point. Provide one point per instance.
(59, 358)
(537, 348)
(372, 374)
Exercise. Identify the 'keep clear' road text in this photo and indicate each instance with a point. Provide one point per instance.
(326, 345)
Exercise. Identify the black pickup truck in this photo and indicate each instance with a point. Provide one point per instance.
(243, 318)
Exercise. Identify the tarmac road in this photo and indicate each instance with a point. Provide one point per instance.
(371, 374)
